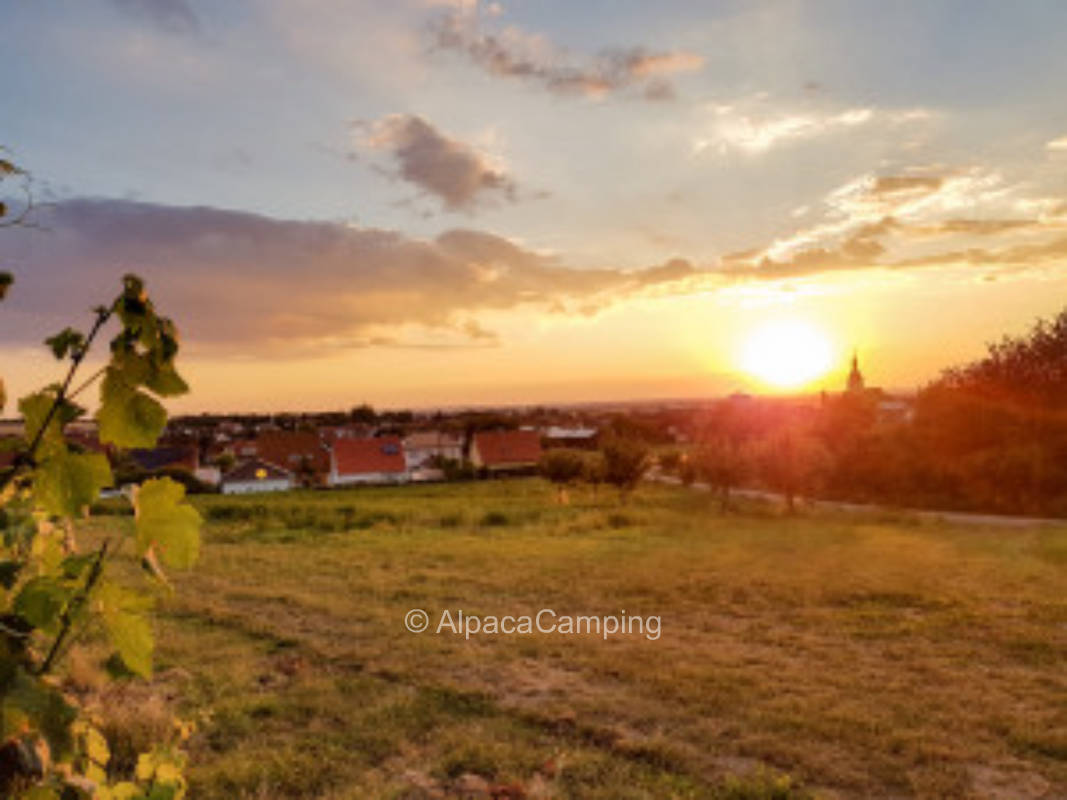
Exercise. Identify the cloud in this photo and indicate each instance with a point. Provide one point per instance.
(758, 130)
(922, 217)
(240, 283)
(452, 171)
(751, 126)
(1058, 144)
(514, 53)
(170, 16)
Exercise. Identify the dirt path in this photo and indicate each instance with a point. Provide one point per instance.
(956, 517)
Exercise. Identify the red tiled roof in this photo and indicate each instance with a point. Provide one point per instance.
(291, 450)
(497, 448)
(256, 469)
(360, 456)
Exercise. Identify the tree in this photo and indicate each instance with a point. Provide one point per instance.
(670, 461)
(52, 592)
(563, 468)
(793, 463)
(625, 463)
(363, 414)
(722, 464)
(225, 462)
(593, 469)
(1030, 370)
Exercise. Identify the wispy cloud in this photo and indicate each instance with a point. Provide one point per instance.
(170, 16)
(753, 126)
(452, 171)
(924, 217)
(1057, 144)
(514, 53)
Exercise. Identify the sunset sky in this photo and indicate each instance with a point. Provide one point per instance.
(419, 202)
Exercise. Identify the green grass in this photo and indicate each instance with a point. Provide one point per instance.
(862, 657)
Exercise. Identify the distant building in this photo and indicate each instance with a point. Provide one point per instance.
(885, 407)
(212, 476)
(855, 377)
(300, 452)
(422, 447)
(256, 475)
(506, 451)
(577, 437)
(355, 461)
(331, 433)
(186, 457)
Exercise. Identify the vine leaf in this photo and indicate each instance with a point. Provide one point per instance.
(128, 417)
(122, 613)
(30, 704)
(66, 484)
(66, 341)
(40, 603)
(166, 525)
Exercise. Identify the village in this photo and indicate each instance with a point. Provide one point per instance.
(246, 454)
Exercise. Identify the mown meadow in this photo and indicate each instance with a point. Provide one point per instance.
(818, 655)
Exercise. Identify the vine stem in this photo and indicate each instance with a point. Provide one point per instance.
(67, 620)
(102, 316)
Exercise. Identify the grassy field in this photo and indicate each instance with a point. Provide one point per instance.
(864, 657)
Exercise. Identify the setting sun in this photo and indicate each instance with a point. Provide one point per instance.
(787, 353)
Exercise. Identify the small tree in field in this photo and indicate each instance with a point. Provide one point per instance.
(562, 468)
(670, 461)
(625, 462)
(792, 463)
(52, 591)
(593, 470)
(722, 464)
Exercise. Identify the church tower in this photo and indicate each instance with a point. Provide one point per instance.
(855, 377)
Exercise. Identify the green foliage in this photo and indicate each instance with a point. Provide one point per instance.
(561, 466)
(51, 594)
(66, 341)
(722, 464)
(793, 463)
(670, 461)
(625, 463)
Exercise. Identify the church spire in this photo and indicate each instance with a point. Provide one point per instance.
(855, 377)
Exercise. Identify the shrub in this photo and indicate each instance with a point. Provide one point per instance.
(495, 519)
(625, 463)
(562, 467)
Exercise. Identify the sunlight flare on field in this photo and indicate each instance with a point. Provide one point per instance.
(787, 353)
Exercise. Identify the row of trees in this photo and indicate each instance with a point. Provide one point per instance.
(620, 462)
(987, 436)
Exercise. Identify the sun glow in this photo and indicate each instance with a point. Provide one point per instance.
(787, 354)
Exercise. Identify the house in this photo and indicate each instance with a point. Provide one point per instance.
(421, 447)
(242, 448)
(379, 460)
(578, 437)
(9, 447)
(185, 457)
(256, 475)
(12, 427)
(331, 433)
(506, 451)
(212, 476)
(300, 452)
